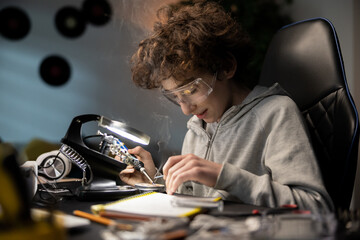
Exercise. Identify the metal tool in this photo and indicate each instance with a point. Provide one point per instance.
(118, 148)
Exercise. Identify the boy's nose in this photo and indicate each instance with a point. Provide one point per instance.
(187, 108)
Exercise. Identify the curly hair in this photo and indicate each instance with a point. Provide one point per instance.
(188, 37)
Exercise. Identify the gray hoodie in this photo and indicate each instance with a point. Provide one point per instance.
(266, 154)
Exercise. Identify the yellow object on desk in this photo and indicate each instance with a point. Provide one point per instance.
(66, 220)
(16, 221)
(151, 204)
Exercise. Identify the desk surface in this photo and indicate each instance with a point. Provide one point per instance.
(93, 231)
(88, 232)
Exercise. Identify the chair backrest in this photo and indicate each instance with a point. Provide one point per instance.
(306, 60)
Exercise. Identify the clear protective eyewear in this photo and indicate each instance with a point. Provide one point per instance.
(192, 93)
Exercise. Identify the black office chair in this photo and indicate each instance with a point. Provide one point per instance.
(306, 60)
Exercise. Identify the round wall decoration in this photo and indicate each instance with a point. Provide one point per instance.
(14, 23)
(70, 22)
(55, 70)
(97, 12)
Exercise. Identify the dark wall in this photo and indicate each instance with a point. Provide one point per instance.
(99, 79)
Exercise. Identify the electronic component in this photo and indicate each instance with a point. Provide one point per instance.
(118, 148)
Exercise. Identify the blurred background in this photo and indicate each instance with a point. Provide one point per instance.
(61, 59)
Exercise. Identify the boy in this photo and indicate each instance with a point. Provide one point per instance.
(244, 142)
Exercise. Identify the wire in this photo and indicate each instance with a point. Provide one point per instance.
(52, 163)
(45, 201)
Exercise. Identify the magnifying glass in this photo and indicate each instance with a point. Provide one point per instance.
(101, 164)
(124, 130)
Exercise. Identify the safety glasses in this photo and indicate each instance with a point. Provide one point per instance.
(194, 92)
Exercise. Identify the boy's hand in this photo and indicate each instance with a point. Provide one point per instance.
(130, 176)
(189, 167)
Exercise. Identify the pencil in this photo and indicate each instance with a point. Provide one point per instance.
(176, 234)
(102, 220)
(126, 216)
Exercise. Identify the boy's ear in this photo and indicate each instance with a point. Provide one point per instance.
(229, 68)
